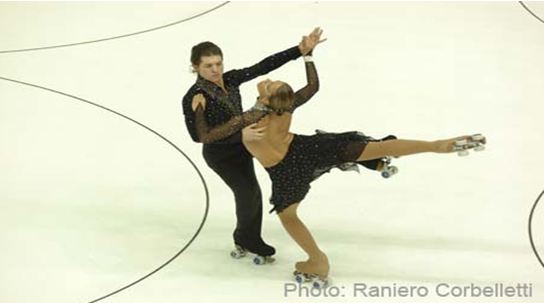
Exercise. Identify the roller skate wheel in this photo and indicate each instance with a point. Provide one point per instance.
(386, 174)
(238, 253)
(478, 137)
(461, 142)
(479, 148)
(299, 278)
(319, 283)
(259, 260)
(463, 153)
(394, 170)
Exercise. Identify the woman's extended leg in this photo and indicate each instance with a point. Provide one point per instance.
(400, 147)
(317, 262)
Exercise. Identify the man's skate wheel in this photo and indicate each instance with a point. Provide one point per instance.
(237, 254)
(259, 260)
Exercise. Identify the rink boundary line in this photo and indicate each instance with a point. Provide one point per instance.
(530, 11)
(531, 229)
(167, 141)
(115, 37)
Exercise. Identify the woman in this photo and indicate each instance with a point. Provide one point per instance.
(228, 157)
(294, 161)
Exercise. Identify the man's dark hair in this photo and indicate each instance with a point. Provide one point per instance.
(206, 48)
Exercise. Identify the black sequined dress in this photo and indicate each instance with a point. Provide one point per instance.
(308, 156)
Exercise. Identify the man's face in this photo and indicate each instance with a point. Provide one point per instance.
(210, 68)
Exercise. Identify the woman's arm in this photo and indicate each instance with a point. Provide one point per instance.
(304, 94)
(277, 60)
(207, 134)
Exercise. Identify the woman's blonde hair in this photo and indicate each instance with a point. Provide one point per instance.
(282, 99)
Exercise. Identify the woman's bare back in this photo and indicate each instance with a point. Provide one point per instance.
(273, 147)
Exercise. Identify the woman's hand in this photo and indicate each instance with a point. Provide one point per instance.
(199, 100)
(308, 43)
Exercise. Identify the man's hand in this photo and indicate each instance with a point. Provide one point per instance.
(199, 99)
(252, 133)
(308, 43)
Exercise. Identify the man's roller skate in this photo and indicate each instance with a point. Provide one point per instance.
(261, 256)
(316, 280)
(476, 142)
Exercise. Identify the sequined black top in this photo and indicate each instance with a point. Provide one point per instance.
(207, 133)
(222, 107)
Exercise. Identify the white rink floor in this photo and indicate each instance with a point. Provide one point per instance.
(91, 202)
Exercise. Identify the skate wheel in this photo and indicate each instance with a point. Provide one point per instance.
(259, 260)
(478, 137)
(461, 142)
(299, 278)
(320, 283)
(389, 171)
(238, 253)
(463, 153)
(479, 148)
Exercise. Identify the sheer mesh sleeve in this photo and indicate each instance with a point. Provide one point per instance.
(266, 65)
(304, 94)
(207, 134)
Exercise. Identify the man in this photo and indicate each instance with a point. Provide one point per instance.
(228, 157)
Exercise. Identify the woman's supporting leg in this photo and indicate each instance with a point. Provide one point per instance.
(400, 147)
(317, 261)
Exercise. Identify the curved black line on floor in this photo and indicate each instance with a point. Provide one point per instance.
(531, 229)
(530, 11)
(116, 37)
(163, 138)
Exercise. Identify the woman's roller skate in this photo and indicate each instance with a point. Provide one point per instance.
(388, 170)
(261, 255)
(476, 142)
(382, 165)
(313, 271)
(316, 280)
